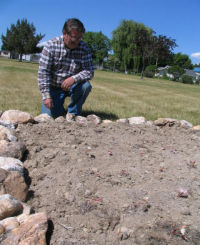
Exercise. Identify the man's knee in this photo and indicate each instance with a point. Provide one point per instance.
(87, 87)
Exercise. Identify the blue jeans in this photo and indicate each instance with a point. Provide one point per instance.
(78, 94)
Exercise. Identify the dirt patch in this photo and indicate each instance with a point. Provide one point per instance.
(115, 183)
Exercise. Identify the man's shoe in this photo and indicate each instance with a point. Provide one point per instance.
(70, 117)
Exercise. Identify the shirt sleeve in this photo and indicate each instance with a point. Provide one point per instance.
(87, 71)
(44, 72)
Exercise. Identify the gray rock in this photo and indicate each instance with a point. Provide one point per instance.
(137, 120)
(9, 206)
(16, 116)
(12, 164)
(12, 149)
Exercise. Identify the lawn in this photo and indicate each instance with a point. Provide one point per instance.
(114, 95)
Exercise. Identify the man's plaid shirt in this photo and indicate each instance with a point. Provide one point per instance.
(58, 63)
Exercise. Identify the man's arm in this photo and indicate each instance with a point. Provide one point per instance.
(87, 72)
(44, 73)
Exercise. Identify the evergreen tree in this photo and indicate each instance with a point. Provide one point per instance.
(21, 38)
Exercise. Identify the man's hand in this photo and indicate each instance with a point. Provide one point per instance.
(66, 85)
(48, 103)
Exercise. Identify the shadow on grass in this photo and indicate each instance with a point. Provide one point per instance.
(103, 115)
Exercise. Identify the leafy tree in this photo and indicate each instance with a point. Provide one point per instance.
(112, 63)
(131, 43)
(163, 49)
(122, 42)
(143, 43)
(99, 45)
(21, 38)
(183, 61)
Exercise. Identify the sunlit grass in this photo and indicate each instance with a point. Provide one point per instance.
(114, 95)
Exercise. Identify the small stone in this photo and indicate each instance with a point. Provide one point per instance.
(124, 233)
(88, 192)
(197, 128)
(106, 121)
(69, 197)
(185, 212)
(166, 121)
(43, 118)
(122, 120)
(137, 120)
(94, 119)
(60, 119)
(186, 124)
(81, 120)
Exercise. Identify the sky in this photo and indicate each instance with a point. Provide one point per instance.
(177, 19)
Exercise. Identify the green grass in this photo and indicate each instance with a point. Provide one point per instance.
(114, 95)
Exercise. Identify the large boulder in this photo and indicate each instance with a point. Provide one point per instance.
(7, 134)
(14, 184)
(31, 232)
(12, 164)
(12, 149)
(16, 116)
(9, 206)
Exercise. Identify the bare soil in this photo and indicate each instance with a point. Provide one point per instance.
(114, 184)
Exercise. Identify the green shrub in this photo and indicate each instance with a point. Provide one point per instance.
(186, 79)
(151, 68)
(149, 74)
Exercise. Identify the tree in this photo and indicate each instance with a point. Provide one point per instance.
(99, 45)
(163, 49)
(183, 61)
(143, 43)
(122, 42)
(112, 63)
(131, 43)
(21, 38)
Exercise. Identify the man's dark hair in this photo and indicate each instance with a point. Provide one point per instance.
(73, 24)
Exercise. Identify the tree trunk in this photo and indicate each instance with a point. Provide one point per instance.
(156, 61)
(143, 65)
(20, 57)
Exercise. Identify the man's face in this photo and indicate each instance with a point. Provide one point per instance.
(72, 39)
